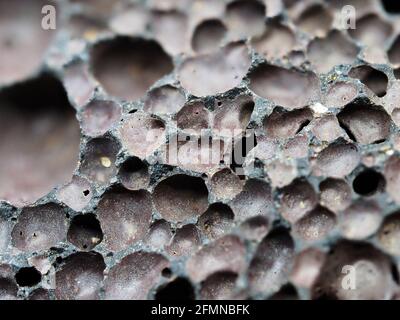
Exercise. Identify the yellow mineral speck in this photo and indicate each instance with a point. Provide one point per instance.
(95, 240)
(90, 34)
(105, 162)
(390, 152)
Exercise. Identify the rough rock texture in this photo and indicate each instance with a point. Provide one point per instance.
(205, 149)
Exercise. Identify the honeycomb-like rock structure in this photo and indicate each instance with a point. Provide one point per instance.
(200, 149)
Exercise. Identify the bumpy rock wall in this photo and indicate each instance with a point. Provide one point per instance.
(203, 149)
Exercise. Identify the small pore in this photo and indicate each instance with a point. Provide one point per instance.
(374, 79)
(28, 277)
(179, 289)
(368, 182)
(85, 232)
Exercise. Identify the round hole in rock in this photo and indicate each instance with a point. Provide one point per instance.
(225, 254)
(337, 160)
(216, 72)
(179, 289)
(291, 89)
(39, 228)
(255, 228)
(208, 35)
(99, 116)
(164, 100)
(28, 277)
(142, 134)
(170, 29)
(159, 235)
(372, 31)
(216, 221)
(186, 241)
(85, 232)
(134, 174)
(80, 277)
(368, 182)
(245, 18)
(127, 67)
(375, 80)
(315, 225)
(360, 220)
(335, 194)
(340, 93)
(255, 199)
(233, 116)
(134, 276)
(372, 267)
(219, 286)
(334, 49)
(225, 184)
(297, 200)
(193, 116)
(271, 264)
(180, 197)
(40, 139)
(391, 6)
(98, 163)
(282, 124)
(166, 273)
(76, 194)
(23, 42)
(316, 20)
(124, 216)
(277, 41)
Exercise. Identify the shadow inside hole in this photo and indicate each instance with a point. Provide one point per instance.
(347, 130)
(28, 277)
(85, 232)
(302, 126)
(391, 6)
(368, 182)
(166, 273)
(374, 79)
(287, 292)
(179, 289)
(132, 165)
(40, 139)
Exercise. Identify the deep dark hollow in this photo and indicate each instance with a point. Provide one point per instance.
(368, 182)
(166, 273)
(179, 289)
(28, 277)
(391, 6)
(132, 165)
(83, 229)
